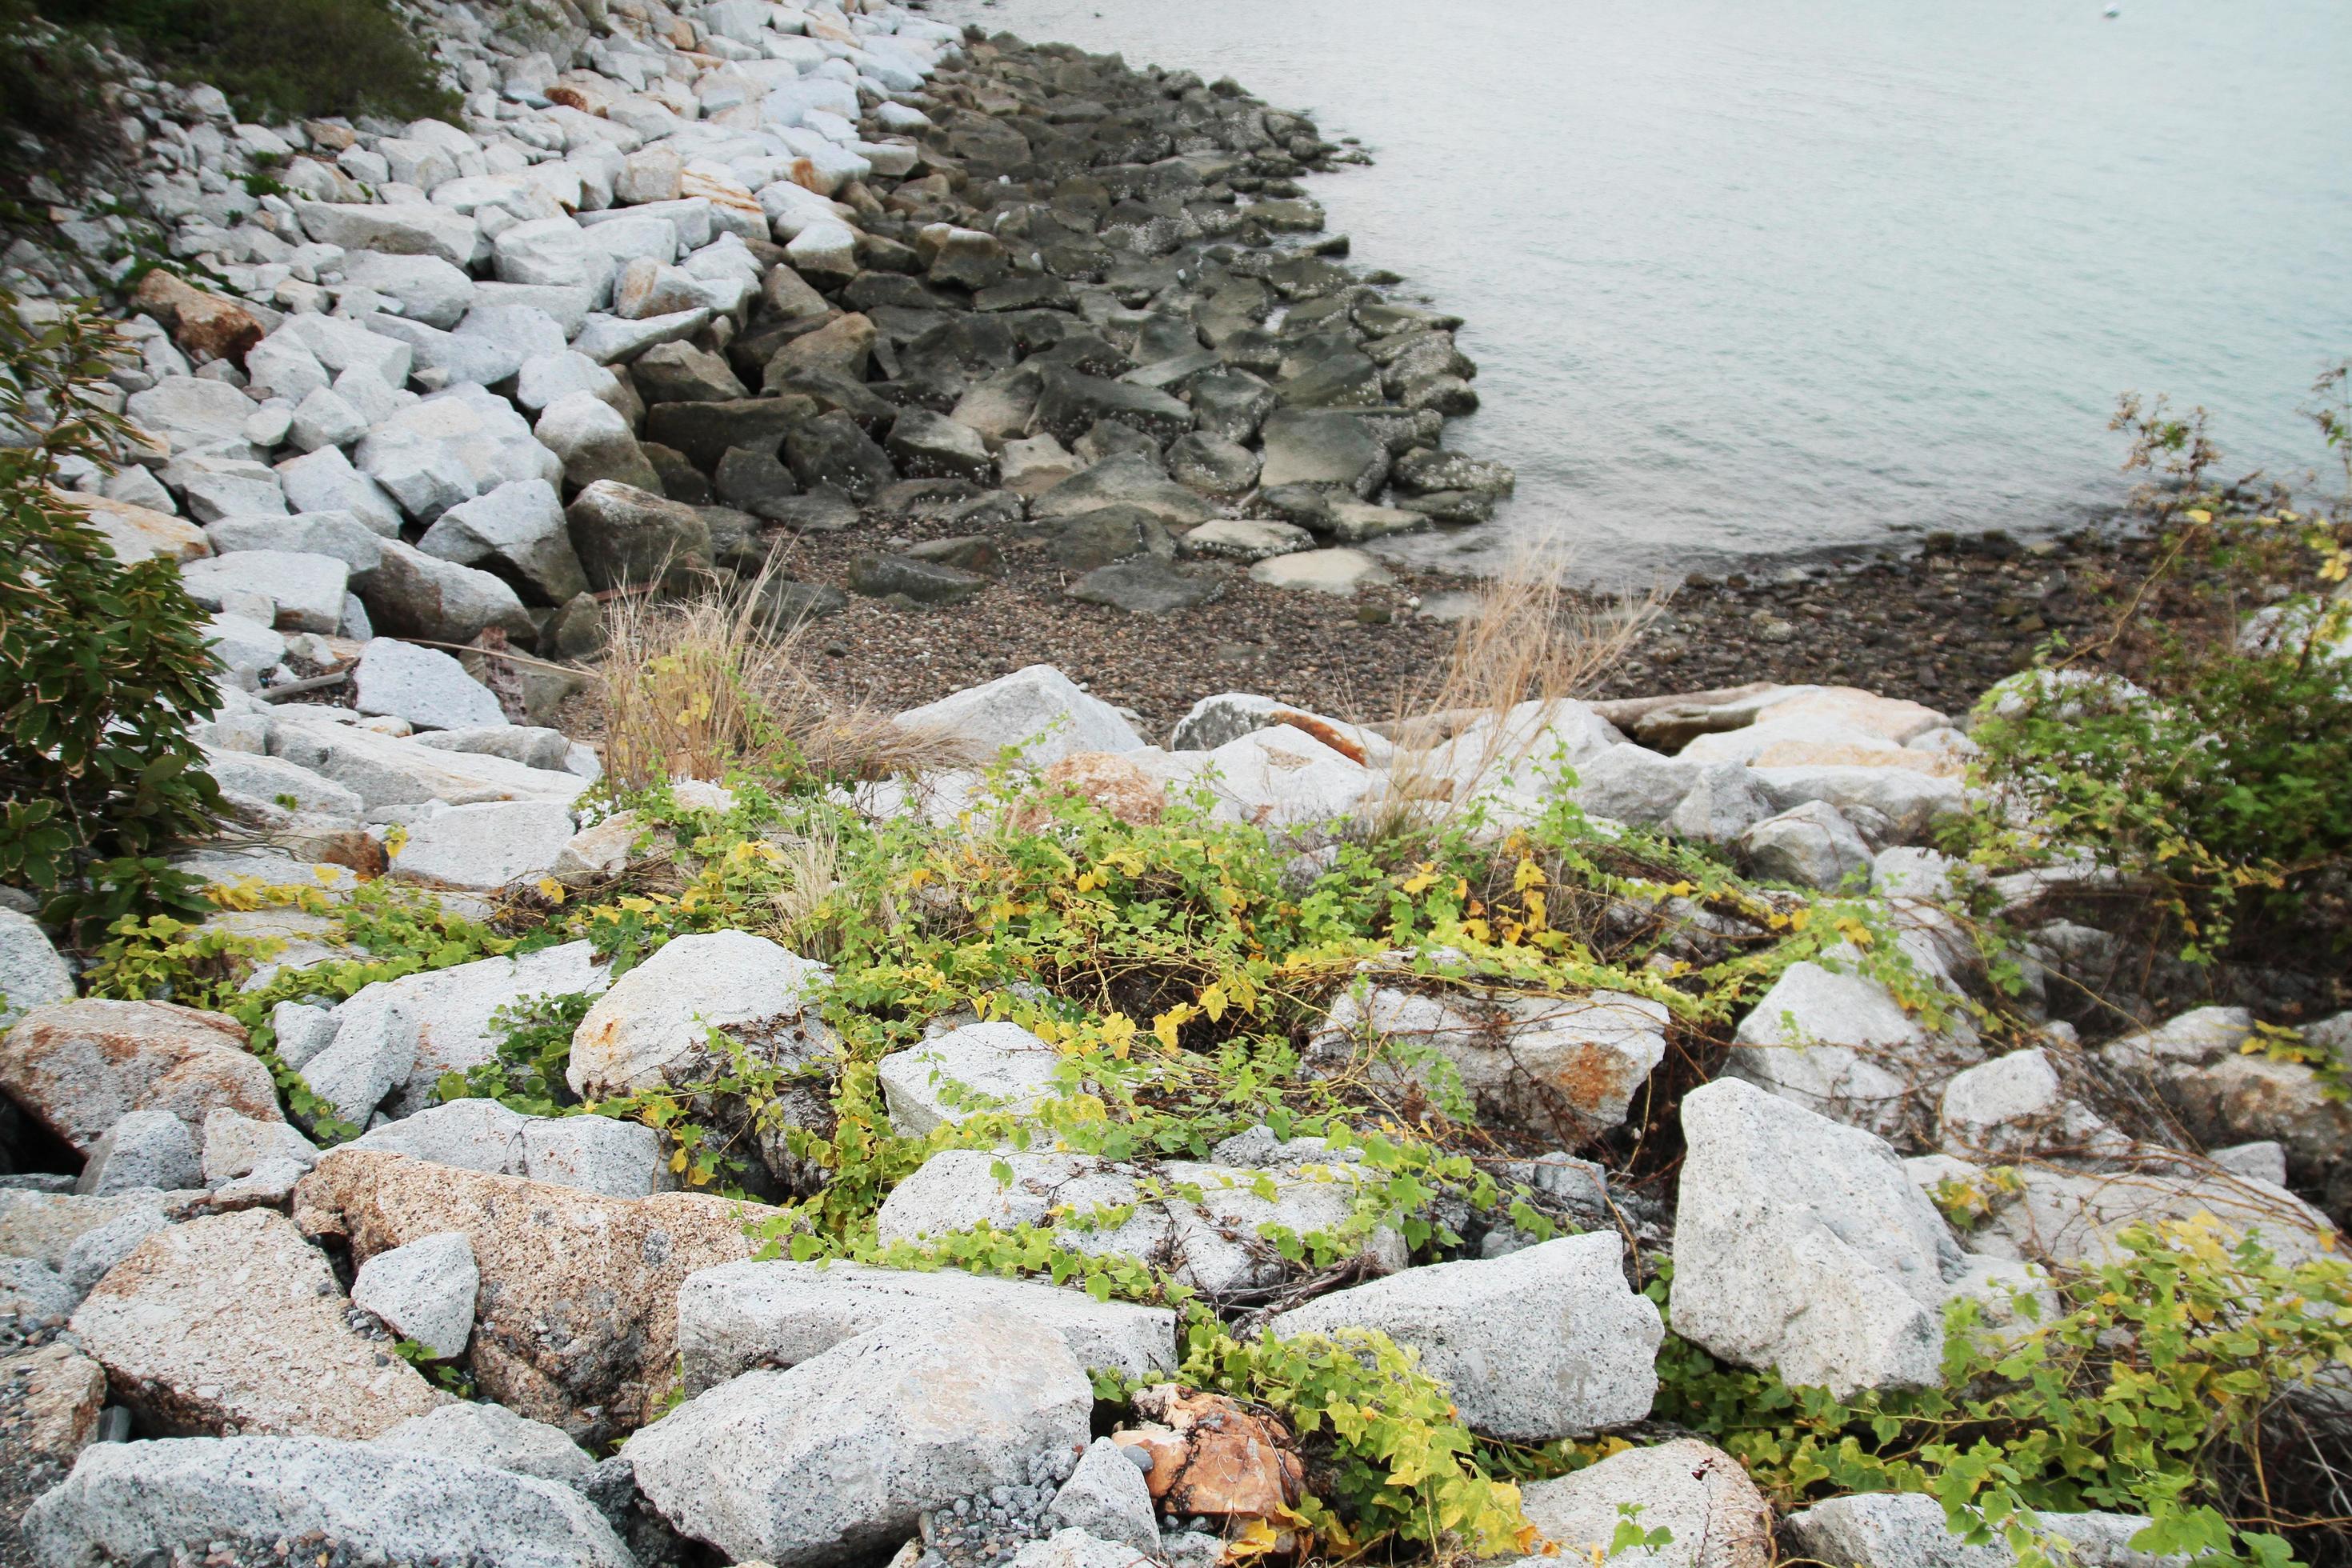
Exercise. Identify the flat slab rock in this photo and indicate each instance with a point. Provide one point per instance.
(234, 1323)
(127, 1501)
(740, 1316)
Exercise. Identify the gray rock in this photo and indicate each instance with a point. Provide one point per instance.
(596, 1154)
(974, 1070)
(305, 591)
(1038, 710)
(529, 744)
(94, 1253)
(840, 1454)
(424, 1292)
(429, 288)
(246, 649)
(336, 534)
(385, 771)
(1699, 1495)
(740, 1316)
(625, 536)
(191, 413)
(1131, 479)
(651, 1028)
(1907, 1530)
(833, 450)
(1096, 538)
(493, 1437)
(481, 849)
(594, 443)
(1320, 447)
(923, 582)
(32, 1292)
(424, 685)
(450, 448)
(1335, 572)
(1107, 1497)
(126, 1501)
(1808, 844)
(1145, 585)
(610, 340)
(1801, 1244)
(516, 531)
(325, 481)
(31, 972)
(470, 1135)
(1069, 405)
(1726, 802)
(1631, 784)
(407, 229)
(412, 594)
(1838, 1043)
(680, 373)
(234, 1144)
(546, 378)
(1245, 539)
(1547, 1342)
(142, 1149)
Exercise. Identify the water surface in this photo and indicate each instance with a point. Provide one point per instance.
(1752, 280)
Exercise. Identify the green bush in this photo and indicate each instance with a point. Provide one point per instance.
(278, 59)
(102, 666)
(2208, 770)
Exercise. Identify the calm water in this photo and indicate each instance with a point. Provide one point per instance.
(1753, 280)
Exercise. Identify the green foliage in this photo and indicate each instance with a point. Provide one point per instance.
(279, 59)
(533, 1050)
(102, 666)
(2207, 769)
(2172, 1383)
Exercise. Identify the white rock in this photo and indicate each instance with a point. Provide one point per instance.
(1107, 1497)
(234, 1144)
(387, 771)
(450, 448)
(1699, 1495)
(651, 1028)
(739, 1316)
(966, 1072)
(1907, 1530)
(424, 1292)
(417, 229)
(495, 1438)
(1547, 1342)
(470, 1135)
(593, 443)
(840, 1454)
(484, 848)
(326, 419)
(1338, 572)
(143, 1149)
(1038, 711)
(1631, 784)
(424, 685)
(128, 1502)
(596, 1154)
(325, 481)
(428, 288)
(1808, 844)
(306, 590)
(1842, 1045)
(1800, 1244)
(31, 972)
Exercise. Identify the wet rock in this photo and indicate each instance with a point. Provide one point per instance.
(625, 535)
(842, 1452)
(75, 1067)
(1547, 1342)
(235, 1322)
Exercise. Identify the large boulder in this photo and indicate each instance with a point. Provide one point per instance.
(652, 1028)
(32, 973)
(234, 1323)
(1561, 1067)
(625, 535)
(450, 448)
(576, 1322)
(77, 1067)
(178, 1500)
(424, 685)
(1840, 1043)
(1698, 1494)
(481, 848)
(517, 531)
(741, 1316)
(843, 1453)
(1546, 1342)
(2043, 1214)
(491, 1434)
(1038, 711)
(1801, 1244)
(410, 594)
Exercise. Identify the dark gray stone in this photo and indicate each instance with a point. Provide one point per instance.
(1145, 585)
(1070, 402)
(625, 536)
(929, 445)
(680, 373)
(831, 451)
(924, 581)
(1112, 533)
(1231, 403)
(1133, 480)
(1212, 465)
(754, 478)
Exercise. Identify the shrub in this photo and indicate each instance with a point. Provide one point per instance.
(103, 667)
(2202, 753)
(279, 59)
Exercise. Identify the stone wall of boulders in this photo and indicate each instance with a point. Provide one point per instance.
(678, 282)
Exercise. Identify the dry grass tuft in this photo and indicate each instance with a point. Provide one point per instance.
(702, 687)
(1531, 639)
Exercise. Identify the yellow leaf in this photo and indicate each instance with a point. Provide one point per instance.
(1422, 879)
(2198, 514)
(1167, 1023)
(1119, 1033)
(1212, 1002)
(1527, 875)
(552, 888)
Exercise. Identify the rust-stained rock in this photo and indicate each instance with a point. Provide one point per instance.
(233, 1325)
(76, 1067)
(137, 533)
(576, 1319)
(209, 326)
(50, 1401)
(1214, 1456)
(1108, 780)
